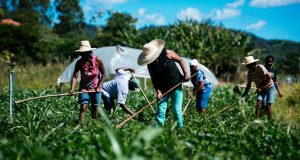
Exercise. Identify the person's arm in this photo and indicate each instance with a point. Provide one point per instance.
(126, 109)
(74, 77)
(172, 55)
(246, 90)
(103, 74)
(276, 84)
(199, 87)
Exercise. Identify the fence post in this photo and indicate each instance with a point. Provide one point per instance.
(11, 89)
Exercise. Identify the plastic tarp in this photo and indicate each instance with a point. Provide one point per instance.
(115, 57)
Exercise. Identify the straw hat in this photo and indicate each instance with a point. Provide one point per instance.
(194, 62)
(151, 51)
(85, 46)
(249, 60)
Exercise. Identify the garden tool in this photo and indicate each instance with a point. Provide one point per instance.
(53, 95)
(153, 101)
(236, 89)
(144, 95)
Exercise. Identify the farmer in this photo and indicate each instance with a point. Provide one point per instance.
(269, 66)
(164, 75)
(264, 85)
(202, 87)
(118, 88)
(90, 68)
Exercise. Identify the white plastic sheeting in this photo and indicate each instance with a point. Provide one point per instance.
(115, 57)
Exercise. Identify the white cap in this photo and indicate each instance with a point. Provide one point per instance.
(194, 62)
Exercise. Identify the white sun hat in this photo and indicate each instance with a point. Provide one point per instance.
(249, 60)
(85, 46)
(194, 62)
(151, 51)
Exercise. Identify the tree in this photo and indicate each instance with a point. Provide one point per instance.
(70, 17)
(120, 29)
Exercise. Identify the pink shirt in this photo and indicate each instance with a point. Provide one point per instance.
(89, 75)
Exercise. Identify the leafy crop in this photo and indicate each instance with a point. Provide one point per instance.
(47, 129)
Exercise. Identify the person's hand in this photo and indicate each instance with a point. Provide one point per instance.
(258, 90)
(186, 78)
(192, 96)
(71, 92)
(159, 94)
(280, 94)
(98, 89)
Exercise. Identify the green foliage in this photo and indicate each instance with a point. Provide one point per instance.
(46, 129)
(286, 53)
(70, 16)
(119, 30)
(41, 40)
(2, 12)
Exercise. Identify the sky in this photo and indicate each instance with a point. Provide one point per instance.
(269, 19)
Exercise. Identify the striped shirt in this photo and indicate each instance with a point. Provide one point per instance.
(259, 77)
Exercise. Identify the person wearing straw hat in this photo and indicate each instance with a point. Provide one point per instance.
(264, 85)
(118, 88)
(93, 74)
(164, 75)
(202, 87)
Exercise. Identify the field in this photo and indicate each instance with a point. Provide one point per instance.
(46, 129)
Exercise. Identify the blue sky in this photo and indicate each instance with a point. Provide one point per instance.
(270, 19)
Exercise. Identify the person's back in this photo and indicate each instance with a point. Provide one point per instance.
(164, 72)
(257, 76)
(118, 88)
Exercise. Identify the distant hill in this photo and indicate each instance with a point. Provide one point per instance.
(285, 52)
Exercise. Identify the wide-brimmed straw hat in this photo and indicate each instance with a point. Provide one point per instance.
(85, 46)
(249, 60)
(151, 51)
(194, 62)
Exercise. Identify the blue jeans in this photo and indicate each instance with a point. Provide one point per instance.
(108, 102)
(267, 96)
(202, 98)
(85, 98)
(176, 101)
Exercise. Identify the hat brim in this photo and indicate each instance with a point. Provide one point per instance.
(250, 62)
(85, 50)
(149, 58)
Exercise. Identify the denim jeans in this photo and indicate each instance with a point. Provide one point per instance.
(267, 96)
(176, 103)
(202, 98)
(85, 98)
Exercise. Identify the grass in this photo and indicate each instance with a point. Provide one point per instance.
(34, 77)
(46, 129)
(286, 110)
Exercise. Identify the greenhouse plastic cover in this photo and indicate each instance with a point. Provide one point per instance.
(114, 57)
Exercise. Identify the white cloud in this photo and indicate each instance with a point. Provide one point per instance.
(226, 13)
(236, 4)
(141, 12)
(108, 4)
(111, 2)
(257, 25)
(271, 3)
(155, 18)
(190, 13)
